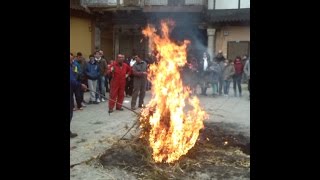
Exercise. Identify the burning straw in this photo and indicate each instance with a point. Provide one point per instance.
(168, 145)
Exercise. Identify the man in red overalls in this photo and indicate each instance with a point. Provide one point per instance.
(118, 71)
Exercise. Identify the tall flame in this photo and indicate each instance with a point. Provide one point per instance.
(176, 118)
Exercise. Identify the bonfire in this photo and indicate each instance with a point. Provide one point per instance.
(172, 120)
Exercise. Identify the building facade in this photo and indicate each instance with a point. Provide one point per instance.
(210, 25)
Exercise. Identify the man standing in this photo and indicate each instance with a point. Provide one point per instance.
(216, 71)
(238, 66)
(76, 69)
(244, 61)
(139, 72)
(220, 60)
(82, 62)
(247, 72)
(74, 84)
(118, 71)
(129, 83)
(101, 88)
(93, 73)
(205, 73)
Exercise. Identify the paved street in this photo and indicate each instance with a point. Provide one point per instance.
(97, 130)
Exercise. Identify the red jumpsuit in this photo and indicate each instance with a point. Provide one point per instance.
(118, 83)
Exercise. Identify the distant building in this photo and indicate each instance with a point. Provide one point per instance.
(211, 25)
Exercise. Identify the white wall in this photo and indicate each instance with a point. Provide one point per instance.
(244, 3)
(227, 4)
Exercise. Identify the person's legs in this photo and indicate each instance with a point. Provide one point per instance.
(94, 84)
(225, 87)
(72, 135)
(221, 84)
(91, 88)
(107, 83)
(103, 88)
(127, 87)
(239, 78)
(234, 79)
(142, 92)
(203, 87)
(120, 95)
(228, 86)
(77, 93)
(131, 86)
(113, 94)
(249, 85)
(136, 88)
(98, 89)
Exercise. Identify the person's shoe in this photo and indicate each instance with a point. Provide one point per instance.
(80, 108)
(133, 108)
(141, 106)
(103, 100)
(83, 104)
(120, 109)
(95, 102)
(98, 100)
(91, 102)
(110, 111)
(73, 135)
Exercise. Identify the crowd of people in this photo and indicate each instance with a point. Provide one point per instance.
(217, 73)
(127, 76)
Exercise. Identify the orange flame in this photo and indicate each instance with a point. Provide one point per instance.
(176, 118)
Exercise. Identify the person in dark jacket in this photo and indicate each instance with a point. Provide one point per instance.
(74, 84)
(139, 72)
(204, 73)
(238, 66)
(130, 79)
(101, 78)
(216, 72)
(92, 72)
(82, 62)
(76, 68)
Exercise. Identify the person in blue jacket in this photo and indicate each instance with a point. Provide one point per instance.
(74, 84)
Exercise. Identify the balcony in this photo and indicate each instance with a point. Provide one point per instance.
(99, 3)
(229, 4)
(174, 2)
(108, 3)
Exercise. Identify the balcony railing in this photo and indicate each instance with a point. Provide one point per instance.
(155, 2)
(99, 3)
(195, 2)
(106, 3)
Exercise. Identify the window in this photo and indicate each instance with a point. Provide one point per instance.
(244, 3)
(227, 4)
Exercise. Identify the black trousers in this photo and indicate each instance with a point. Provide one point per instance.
(79, 96)
(129, 86)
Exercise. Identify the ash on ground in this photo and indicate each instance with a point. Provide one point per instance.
(218, 154)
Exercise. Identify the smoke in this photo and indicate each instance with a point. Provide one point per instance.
(186, 28)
